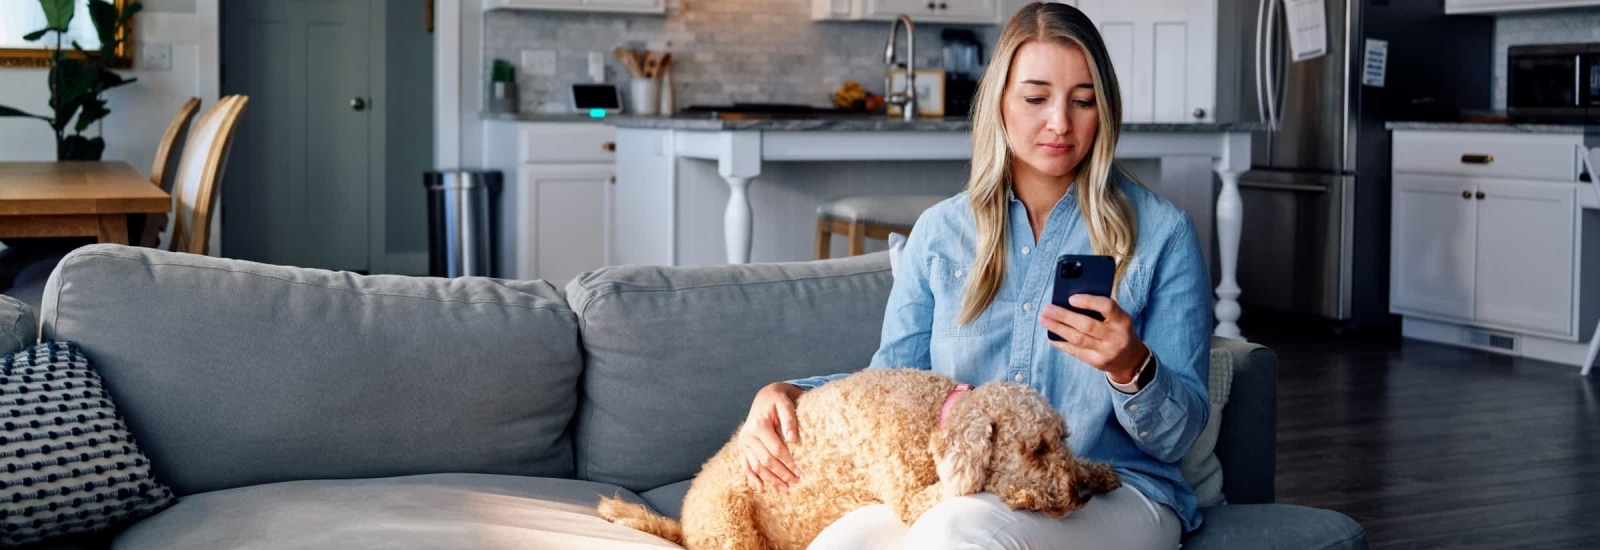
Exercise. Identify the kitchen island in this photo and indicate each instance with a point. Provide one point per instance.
(656, 216)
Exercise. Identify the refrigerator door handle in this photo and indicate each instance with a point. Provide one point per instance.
(1273, 74)
(1261, 91)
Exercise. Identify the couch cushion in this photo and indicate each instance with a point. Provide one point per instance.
(667, 500)
(18, 327)
(1275, 527)
(463, 511)
(674, 355)
(69, 464)
(1200, 466)
(234, 373)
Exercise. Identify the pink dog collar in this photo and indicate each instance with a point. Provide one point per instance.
(950, 401)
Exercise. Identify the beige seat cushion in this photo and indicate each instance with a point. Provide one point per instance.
(894, 211)
(459, 511)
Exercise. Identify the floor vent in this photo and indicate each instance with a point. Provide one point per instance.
(1490, 340)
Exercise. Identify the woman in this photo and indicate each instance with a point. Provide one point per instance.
(971, 299)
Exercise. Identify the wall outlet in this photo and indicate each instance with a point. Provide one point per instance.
(155, 56)
(539, 62)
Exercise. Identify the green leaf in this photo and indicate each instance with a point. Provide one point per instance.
(109, 80)
(93, 110)
(10, 112)
(104, 16)
(58, 13)
(35, 35)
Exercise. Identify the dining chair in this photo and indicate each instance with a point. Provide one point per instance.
(167, 155)
(871, 216)
(205, 158)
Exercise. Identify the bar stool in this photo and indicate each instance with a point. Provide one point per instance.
(874, 216)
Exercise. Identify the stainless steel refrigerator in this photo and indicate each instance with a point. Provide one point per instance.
(1316, 200)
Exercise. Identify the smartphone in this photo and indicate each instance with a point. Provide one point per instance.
(1082, 274)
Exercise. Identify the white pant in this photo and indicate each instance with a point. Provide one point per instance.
(1121, 519)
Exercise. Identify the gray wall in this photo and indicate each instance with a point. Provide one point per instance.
(723, 50)
(1540, 27)
(410, 123)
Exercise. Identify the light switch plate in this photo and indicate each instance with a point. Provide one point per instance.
(539, 62)
(155, 56)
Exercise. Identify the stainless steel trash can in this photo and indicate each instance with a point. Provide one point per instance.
(463, 221)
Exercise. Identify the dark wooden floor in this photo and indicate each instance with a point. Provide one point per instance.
(1431, 446)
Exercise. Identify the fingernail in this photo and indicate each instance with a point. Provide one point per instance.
(1076, 299)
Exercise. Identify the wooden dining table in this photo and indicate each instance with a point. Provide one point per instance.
(75, 199)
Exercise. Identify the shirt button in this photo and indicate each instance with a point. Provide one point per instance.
(1026, 250)
(1027, 306)
(958, 274)
(1018, 378)
(1132, 408)
(1144, 434)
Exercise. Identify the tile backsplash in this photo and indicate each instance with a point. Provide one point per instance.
(1540, 27)
(722, 51)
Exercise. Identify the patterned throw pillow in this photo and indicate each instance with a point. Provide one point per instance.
(67, 462)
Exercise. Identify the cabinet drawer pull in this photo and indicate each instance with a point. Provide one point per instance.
(612, 146)
(1466, 194)
(1480, 195)
(1476, 159)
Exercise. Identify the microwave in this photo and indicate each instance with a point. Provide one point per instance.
(1554, 82)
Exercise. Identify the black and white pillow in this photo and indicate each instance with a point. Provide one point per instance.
(67, 462)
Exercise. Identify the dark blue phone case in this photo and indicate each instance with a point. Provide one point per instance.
(1094, 278)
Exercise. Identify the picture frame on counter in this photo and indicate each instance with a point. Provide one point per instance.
(930, 91)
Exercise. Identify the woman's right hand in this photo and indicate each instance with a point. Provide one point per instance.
(766, 455)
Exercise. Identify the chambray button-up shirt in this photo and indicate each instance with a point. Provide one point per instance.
(1165, 289)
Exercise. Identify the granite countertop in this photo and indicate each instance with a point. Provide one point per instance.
(1489, 127)
(872, 124)
(540, 117)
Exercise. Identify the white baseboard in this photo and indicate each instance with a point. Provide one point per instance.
(1523, 345)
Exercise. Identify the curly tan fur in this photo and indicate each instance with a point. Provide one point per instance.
(873, 437)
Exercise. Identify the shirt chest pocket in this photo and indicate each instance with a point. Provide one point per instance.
(948, 281)
(1134, 291)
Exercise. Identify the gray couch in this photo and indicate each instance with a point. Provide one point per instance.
(297, 408)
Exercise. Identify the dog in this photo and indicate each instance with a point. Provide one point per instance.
(902, 437)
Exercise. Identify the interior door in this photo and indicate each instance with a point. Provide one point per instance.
(297, 183)
(1433, 253)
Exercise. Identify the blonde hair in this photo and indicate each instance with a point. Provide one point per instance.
(1106, 210)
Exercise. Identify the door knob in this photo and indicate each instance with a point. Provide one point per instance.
(1199, 112)
(931, 5)
(944, 5)
(358, 104)
(1480, 195)
(1466, 194)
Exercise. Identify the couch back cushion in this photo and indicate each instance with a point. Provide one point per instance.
(233, 373)
(674, 355)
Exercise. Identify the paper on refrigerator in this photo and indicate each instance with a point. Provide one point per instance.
(1308, 28)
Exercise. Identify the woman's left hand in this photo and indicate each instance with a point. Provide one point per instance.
(1109, 345)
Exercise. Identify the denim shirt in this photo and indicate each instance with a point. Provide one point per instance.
(1165, 289)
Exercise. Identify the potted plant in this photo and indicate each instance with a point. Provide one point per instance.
(76, 81)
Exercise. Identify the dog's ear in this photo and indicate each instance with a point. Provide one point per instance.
(962, 449)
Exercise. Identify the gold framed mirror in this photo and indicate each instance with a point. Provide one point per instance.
(20, 17)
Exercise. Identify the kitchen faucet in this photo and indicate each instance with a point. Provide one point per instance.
(907, 100)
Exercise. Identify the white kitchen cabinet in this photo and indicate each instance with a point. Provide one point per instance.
(979, 12)
(1492, 6)
(568, 217)
(1433, 249)
(1526, 231)
(561, 208)
(605, 6)
(1492, 243)
(1493, 252)
(1165, 53)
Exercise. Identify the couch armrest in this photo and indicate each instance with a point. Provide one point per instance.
(1247, 443)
